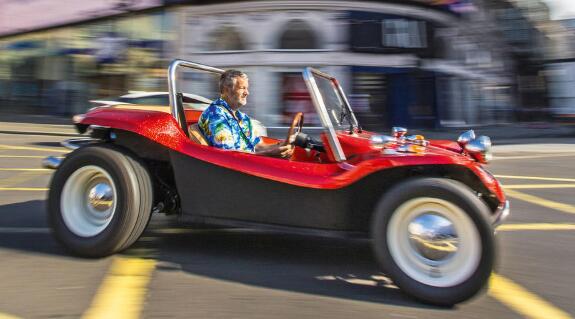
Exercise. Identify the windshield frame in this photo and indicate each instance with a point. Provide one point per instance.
(309, 75)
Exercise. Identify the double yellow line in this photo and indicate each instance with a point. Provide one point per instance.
(26, 173)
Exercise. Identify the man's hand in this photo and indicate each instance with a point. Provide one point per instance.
(281, 150)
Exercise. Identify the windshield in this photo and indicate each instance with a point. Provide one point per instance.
(332, 107)
(339, 115)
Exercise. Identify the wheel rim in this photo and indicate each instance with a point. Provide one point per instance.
(434, 242)
(88, 201)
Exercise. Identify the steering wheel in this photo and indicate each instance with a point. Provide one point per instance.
(295, 127)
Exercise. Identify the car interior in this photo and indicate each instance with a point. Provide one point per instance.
(307, 149)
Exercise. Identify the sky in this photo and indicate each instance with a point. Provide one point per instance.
(561, 9)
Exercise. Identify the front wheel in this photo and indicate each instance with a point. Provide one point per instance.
(433, 237)
(100, 201)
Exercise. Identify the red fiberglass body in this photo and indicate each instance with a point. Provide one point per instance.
(302, 170)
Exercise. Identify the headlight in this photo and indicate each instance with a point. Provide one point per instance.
(465, 138)
(480, 149)
(78, 118)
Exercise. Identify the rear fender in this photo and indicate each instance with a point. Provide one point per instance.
(159, 127)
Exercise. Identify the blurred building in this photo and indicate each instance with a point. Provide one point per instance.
(418, 63)
(57, 55)
(561, 70)
(521, 25)
(406, 63)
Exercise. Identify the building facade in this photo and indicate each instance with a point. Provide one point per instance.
(402, 63)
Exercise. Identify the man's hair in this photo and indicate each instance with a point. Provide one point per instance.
(227, 79)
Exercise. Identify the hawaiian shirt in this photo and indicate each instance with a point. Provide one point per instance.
(222, 130)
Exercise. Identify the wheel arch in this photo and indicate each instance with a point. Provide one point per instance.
(367, 192)
(155, 159)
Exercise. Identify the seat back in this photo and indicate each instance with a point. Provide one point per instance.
(196, 135)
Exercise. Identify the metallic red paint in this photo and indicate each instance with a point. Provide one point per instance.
(363, 159)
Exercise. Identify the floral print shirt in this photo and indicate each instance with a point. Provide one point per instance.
(222, 130)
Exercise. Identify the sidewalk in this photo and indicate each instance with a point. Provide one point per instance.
(516, 133)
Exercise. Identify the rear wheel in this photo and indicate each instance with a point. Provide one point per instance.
(100, 201)
(433, 237)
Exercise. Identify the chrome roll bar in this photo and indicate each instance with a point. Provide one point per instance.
(172, 72)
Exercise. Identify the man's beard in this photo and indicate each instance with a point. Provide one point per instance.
(242, 102)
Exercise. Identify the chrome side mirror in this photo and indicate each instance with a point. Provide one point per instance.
(465, 138)
(480, 149)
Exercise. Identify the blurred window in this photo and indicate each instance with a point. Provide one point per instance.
(298, 34)
(296, 98)
(226, 38)
(403, 33)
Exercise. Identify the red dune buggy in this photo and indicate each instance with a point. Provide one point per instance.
(428, 206)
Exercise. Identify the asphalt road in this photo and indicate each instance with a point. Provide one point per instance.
(180, 273)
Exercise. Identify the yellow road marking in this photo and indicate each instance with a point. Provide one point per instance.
(18, 179)
(30, 132)
(541, 201)
(26, 124)
(122, 293)
(27, 169)
(501, 158)
(7, 316)
(522, 301)
(21, 156)
(537, 178)
(24, 189)
(26, 148)
(535, 186)
(535, 226)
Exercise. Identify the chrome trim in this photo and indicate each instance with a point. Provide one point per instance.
(51, 162)
(173, 90)
(381, 140)
(398, 132)
(101, 197)
(465, 138)
(433, 237)
(501, 214)
(480, 149)
(75, 143)
(322, 110)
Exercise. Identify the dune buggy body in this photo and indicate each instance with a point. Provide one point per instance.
(429, 207)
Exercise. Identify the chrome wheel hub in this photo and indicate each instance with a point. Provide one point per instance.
(88, 201)
(434, 241)
(433, 237)
(101, 197)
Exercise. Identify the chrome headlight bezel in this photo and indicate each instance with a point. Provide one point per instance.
(465, 138)
(480, 149)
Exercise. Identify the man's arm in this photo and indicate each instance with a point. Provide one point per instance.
(281, 150)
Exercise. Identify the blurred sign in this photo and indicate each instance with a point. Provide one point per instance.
(457, 6)
(22, 16)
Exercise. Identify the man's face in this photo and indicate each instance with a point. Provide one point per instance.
(238, 95)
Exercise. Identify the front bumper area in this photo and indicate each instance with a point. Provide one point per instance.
(501, 214)
(53, 162)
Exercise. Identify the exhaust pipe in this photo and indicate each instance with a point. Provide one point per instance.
(51, 162)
